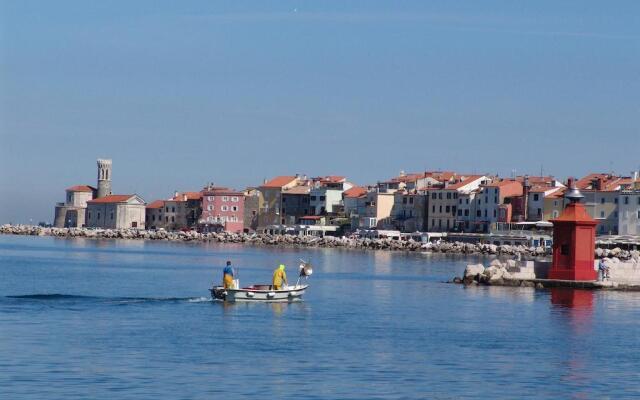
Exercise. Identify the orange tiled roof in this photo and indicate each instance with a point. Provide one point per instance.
(190, 196)
(298, 190)
(156, 204)
(279, 181)
(355, 192)
(114, 198)
(81, 188)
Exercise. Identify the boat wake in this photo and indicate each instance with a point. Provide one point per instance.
(109, 300)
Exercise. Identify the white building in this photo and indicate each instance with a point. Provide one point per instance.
(116, 211)
(629, 211)
(325, 196)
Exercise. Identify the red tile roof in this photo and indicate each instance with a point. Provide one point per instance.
(330, 179)
(156, 204)
(81, 188)
(355, 192)
(190, 196)
(114, 198)
(279, 181)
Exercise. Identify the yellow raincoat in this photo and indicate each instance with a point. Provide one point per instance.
(279, 277)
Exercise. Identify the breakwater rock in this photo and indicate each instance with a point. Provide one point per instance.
(298, 241)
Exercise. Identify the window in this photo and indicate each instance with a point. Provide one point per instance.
(615, 214)
(449, 195)
(210, 207)
(410, 200)
(495, 199)
(111, 215)
(234, 199)
(494, 214)
(89, 215)
(173, 219)
(153, 217)
(323, 198)
(478, 213)
(225, 198)
(459, 213)
(602, 200)
(615, 200)
(486, 199)
(173, 209)
(536, 197)
(601, 214)
(404, 200)
(555, 203)
(313, 198)
(433, 209)
(440, 196)
(448, 209)
(440, 208)
(626, 199)
(433, 196)
(485, 213)
(459, 201)
(467, 201)
(479, 201)
(98, 215)
(226, 208)
(539, 211)
(555, 214)
(234, 208)
(466, 213)
(166, 219)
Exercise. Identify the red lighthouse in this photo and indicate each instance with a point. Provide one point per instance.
(574, 239)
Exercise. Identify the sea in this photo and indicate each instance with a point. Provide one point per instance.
(127, 319)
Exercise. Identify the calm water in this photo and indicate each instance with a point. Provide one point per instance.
(132, 319)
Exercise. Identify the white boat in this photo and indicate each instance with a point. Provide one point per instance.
(265, 293)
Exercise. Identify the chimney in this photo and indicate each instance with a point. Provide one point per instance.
(571, 182)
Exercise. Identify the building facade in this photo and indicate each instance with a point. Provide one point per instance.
(222, 210)
(72, 213)
(116, 212)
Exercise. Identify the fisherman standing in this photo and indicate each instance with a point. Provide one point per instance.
(227, 276)
(279, 277)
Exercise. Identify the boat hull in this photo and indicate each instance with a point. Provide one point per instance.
(291, 294)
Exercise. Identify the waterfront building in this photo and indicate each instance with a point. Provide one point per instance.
(409, 212)
(325, 196)
(72, 213)
(154, 215)
(116, 211)
(376, 211)
(494, 204)
(543, 203)
(222, 210)
(252, 203)
(444, 201)
(629, 208)
(601, 195)
(271, 191)
(295, 203)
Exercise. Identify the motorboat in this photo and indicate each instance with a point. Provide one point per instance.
(264, 292)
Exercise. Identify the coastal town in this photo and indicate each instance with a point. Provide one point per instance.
(424, 205)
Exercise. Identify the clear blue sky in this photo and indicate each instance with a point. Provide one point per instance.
(182, 93)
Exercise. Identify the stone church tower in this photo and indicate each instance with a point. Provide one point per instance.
(104, 178)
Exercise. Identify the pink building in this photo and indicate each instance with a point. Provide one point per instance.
(222, 210)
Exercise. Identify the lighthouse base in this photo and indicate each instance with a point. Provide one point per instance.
(572, 274)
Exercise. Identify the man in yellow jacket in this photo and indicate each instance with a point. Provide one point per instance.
(279, 278)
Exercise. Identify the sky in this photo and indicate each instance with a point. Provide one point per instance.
(179, 94)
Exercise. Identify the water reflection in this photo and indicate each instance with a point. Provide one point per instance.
(576, 305)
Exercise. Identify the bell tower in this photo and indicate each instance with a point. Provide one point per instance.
(104, 178)
(574, 240)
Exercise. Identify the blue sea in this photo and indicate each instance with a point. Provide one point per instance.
(93, 319)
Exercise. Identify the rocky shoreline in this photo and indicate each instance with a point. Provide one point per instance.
(295, 241)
